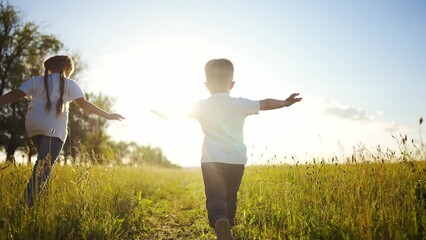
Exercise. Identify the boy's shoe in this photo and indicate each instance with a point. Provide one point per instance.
(223, 229)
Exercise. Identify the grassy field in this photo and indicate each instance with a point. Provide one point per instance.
(322, 201)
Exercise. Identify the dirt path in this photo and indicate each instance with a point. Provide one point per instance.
(181, 214)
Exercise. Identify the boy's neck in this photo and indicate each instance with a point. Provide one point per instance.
(219, 92)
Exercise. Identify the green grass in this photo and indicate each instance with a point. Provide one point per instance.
(362, 201)
(356, 201)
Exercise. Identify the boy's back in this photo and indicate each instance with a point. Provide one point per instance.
(222, 120)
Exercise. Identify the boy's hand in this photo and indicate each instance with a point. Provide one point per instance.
(269, 104)
(292, 99)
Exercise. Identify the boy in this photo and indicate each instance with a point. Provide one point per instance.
(224, 153)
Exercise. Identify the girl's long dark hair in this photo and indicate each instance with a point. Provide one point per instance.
(59, 63)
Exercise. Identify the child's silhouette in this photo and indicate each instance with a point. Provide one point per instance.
(47, 116)
(224, 152)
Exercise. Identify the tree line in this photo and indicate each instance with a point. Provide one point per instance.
(23, 48)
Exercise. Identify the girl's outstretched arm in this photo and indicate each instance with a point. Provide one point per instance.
(269, 104)
(11, 96)
(163, 115)
(92, 108)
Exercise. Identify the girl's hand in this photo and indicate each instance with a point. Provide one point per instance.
(161, 114)
(115, 116)
(292, 99)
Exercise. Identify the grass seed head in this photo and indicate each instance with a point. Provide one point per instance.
(421, 120)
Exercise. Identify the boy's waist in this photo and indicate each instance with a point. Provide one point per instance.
(224, 157)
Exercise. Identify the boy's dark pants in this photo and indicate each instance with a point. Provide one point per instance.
(221, 184)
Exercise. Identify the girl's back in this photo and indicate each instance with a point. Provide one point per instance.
(38, 121)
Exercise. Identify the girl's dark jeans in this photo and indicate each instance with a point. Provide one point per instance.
(48, 149)
(221, 184)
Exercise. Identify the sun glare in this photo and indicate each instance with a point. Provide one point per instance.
(168, 76)
(163, 76)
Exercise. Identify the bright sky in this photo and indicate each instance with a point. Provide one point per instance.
(360, 66)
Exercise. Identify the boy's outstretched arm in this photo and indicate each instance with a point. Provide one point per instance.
(92, 108)
(269, 104)
(11, 96)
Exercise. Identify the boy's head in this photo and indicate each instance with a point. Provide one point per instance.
(219, 75)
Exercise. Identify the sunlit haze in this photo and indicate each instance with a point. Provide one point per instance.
(359, 66)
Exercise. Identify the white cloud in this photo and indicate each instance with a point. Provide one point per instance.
(351, 113)
(345, 112)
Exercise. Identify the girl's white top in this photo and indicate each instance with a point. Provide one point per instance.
(222, 119)
(37, 120)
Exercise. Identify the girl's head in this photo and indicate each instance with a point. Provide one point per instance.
(65, 67)
(59, 64)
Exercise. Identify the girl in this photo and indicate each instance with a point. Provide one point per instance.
(47, 115)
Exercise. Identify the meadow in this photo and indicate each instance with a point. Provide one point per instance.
(358, 200)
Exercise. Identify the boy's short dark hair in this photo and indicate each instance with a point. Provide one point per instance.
(219, 68)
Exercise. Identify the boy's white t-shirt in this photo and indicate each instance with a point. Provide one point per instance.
(222, 120)
(37, 120)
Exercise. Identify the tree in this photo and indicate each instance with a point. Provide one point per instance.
(121, 151)
(149, 155)
(77, 116)
(98, 138)
(89, 130)
(22, 50)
